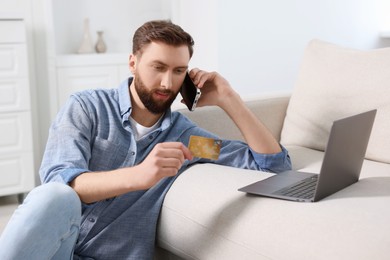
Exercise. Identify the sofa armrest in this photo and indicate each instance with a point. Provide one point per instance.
(271, 110)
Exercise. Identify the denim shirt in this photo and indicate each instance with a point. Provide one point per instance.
(92, 132)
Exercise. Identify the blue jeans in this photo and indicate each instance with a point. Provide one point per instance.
(45, 226)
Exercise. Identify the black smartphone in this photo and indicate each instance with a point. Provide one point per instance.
(190, 93)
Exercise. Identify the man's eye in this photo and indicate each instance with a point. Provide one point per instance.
(180, 71)
(158, 67)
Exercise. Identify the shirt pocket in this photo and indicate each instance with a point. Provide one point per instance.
(107, 155)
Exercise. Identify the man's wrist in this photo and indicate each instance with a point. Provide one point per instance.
(230, 102)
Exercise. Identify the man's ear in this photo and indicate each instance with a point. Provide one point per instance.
(132, 63)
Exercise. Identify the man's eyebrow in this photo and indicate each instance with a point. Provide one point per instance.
(159, 63)
(185, 67)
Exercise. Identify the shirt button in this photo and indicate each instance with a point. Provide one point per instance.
(133, 153)
(150, 137)
(91, 220)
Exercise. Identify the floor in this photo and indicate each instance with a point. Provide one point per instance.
(7, 206)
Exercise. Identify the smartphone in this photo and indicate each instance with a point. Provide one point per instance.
(190, 93)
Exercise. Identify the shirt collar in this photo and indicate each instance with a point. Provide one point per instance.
(125, 104)
(124, 97)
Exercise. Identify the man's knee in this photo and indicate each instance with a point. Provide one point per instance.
(54, 197)
(49, 216)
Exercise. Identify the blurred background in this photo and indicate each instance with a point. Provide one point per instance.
(256, 44)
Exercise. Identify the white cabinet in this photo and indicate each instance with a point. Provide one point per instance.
(16, 149)
(89, 71)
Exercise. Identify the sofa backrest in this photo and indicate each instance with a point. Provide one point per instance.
(336, 82)
(271, 111)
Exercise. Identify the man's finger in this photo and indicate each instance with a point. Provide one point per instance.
(178, 145)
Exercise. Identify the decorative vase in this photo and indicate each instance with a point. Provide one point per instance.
(100, 46)
(86, 43)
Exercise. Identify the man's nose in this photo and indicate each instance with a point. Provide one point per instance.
(166, 81)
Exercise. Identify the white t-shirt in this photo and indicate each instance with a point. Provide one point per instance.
(140, 130)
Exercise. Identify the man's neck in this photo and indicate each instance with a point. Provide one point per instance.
(139, 112)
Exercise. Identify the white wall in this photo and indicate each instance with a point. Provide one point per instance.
(118, 20)
(256, 44)
(200, 19)
(260, 43)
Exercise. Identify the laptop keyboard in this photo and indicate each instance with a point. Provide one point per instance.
(303, 189)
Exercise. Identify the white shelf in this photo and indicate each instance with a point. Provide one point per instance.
(384, 34)
(93, 59)
(11, 16)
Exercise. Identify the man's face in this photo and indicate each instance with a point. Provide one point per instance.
(156, 100)
(158, 74)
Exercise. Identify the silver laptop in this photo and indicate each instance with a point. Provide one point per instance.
(343, 160)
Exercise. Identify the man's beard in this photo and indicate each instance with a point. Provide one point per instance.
(146, 97)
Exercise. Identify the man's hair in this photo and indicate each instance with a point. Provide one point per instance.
(161, 31)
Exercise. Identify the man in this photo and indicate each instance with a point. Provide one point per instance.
(112, 155)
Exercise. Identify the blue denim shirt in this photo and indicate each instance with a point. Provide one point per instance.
(92, 132)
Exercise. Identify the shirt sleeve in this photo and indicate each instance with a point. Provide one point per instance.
(277, 162)
(68, 148)
(238, 154)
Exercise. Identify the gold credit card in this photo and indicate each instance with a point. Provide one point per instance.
(203, 147)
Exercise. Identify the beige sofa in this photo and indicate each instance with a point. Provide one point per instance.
(205, 217)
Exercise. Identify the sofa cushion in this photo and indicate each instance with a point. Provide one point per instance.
(336, 82)
(205, 217)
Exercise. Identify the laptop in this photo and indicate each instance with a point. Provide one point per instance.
(343, 160)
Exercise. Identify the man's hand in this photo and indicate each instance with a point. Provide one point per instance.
(165, 160)
(215, 89)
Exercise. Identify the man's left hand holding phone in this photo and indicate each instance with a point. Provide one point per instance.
(190, 93)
